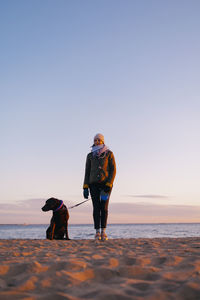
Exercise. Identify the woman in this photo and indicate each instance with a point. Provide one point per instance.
(100, 173)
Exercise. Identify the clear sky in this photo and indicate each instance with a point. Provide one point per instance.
(128, 69)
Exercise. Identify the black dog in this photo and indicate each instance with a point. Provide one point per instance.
(58, 228)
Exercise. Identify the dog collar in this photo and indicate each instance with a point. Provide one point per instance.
(59, 207)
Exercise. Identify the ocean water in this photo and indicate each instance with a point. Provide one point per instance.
(113, 230)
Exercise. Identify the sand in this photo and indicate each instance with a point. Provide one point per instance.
(160, 268)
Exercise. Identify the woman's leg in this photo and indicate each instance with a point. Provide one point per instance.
(95, 195)
(104, 212)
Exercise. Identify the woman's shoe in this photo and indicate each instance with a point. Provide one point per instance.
(104, 236)
(97, 236)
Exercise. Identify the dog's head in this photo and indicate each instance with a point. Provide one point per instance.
(51, 204)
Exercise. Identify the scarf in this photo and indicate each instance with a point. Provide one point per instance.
(99, 149)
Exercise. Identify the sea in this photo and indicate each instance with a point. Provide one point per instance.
(114, 231)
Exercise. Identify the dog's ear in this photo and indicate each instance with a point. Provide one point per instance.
(52, 199)
(53, 203)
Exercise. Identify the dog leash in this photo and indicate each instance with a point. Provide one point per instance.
(79, 203)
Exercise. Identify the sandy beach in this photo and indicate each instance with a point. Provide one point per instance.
(160, 268)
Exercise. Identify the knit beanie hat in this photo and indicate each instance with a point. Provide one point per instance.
(99, 136)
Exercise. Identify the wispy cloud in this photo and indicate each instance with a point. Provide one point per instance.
(150, 196)
(24, 205)
(29, 211)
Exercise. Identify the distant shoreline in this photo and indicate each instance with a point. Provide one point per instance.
(80, 224)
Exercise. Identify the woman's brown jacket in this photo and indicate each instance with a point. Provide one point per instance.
(100, 169)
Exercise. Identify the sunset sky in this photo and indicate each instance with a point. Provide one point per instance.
(127, 69)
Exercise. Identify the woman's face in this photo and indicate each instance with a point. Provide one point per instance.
(97, 142)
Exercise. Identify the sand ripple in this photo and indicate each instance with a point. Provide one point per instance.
(139, 269)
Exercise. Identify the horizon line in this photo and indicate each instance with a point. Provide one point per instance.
(91, 224)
